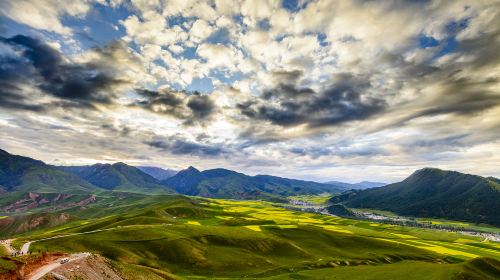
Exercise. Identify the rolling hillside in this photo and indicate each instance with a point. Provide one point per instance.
(223, 183)
(177, 237)
(435, 193)
(117, 177)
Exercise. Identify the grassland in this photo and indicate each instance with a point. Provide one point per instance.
(3, 251)
(163, 236)
(314, 199)
(441, 222)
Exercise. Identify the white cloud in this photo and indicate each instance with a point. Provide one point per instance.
(374, 41)
(43, 14)
(176, 49)
(259, 9)
(200, 30)
(152, 30)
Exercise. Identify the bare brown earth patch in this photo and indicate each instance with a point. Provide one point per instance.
(27, 264)
(93, 267)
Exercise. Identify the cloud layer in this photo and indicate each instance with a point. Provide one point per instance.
(320, 89)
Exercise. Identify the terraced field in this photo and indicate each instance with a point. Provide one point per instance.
(179, 237)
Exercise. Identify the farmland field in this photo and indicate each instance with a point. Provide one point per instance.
(216, 238)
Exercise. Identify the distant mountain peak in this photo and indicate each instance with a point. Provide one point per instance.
(430, 172)
(101, 165)
(157, 172)
(191, 169)
(429, 169)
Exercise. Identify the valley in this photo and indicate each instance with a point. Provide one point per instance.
(194, 237)
(114, 220)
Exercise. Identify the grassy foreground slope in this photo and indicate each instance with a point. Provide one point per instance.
(195, 238)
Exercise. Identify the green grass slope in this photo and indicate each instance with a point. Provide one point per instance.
(409, 270)
(196, 238)
(480, 269)
(434, 193)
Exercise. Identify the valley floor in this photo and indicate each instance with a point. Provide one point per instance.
(172, 237)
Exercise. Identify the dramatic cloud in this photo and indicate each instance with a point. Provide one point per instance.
(183, 147)
(323, 89)
(346, 99)
(30, 61)
(190, 107)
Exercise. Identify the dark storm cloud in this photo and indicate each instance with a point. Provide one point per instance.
(201, 106)
(177, 146)
(346, 99)
(28, 61)
(445, 142)
(464, 96)
(10, 99)
(341, 150)
(410, 70)
(168, 99)
(190, 107)
(484, 48)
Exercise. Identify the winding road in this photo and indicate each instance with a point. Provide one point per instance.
(40, 272)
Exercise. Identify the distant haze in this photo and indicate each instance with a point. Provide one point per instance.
(158, 173)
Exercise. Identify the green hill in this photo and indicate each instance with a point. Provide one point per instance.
(435, 193)
(224, 183)
(340, 210)
(117, 177)
(194, 238)
(23, 174)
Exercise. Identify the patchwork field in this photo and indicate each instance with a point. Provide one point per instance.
(180, 237)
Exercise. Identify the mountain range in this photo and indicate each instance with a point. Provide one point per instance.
(117, 177)
(433, 193)
(22, 175)
(224, 183)
(26, 183)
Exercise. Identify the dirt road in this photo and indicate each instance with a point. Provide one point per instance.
(25, 248)
(40, 272)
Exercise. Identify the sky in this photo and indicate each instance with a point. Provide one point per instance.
(318, 90)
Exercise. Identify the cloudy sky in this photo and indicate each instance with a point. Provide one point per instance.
(322, 90)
